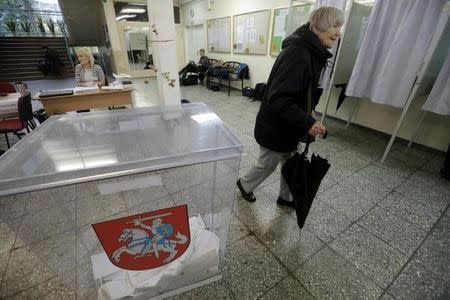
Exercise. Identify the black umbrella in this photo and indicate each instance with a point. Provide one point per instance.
(303, 177)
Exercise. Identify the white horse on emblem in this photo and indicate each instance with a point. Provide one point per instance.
(140, 244)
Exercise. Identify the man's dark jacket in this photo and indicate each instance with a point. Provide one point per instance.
(204, 62)
(282, 119)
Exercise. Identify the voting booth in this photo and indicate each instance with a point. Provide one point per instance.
(118, 204)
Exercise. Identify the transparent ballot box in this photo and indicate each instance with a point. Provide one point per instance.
(120, 204)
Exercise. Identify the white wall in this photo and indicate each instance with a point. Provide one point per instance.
(259, 65)
(194, 39)
(435, 132)
(180, 46)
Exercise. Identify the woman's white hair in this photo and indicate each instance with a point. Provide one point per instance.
(326, 17)
(87, 52)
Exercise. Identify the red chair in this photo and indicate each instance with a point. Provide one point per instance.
(24, 121)
(7, 87)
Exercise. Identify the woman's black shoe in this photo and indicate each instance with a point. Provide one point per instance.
(281, 201)
(247, 196)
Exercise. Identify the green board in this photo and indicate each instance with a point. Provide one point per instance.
(280, 30)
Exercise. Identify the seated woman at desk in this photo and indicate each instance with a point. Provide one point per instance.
(87, 73)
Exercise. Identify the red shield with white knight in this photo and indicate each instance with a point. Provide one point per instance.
(147, 240)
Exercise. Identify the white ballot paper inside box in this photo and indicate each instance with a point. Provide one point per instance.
(199, 261)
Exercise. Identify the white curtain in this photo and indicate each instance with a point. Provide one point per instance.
(439, 99)
(326, 73)
(397, 38)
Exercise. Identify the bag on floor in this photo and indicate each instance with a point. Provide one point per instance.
(259, 91)
(190, 80)
(248, 92)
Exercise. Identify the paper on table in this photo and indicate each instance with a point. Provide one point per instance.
(112, 87)
(121, 75)
(80, 89)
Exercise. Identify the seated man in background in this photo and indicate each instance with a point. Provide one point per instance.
(87, 73)
(51, 65)
(200, 68)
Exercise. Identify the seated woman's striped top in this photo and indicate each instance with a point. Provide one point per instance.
(83, 78)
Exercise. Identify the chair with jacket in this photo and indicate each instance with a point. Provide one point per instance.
(23, 121)
(229, 71)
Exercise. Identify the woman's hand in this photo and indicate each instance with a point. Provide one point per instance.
(317, 128)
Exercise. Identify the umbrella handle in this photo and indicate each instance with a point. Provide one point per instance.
(309, 139)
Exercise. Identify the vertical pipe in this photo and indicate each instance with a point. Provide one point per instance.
(411, 95)
(355, 105)
(416, 132)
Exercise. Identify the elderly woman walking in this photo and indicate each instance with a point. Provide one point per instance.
(282, 119)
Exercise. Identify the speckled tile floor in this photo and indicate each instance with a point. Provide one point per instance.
(374, 231)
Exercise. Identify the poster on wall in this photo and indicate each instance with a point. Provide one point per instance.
(219, 34)
(251, 32)
(280, 30)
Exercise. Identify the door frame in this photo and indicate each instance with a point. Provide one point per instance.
(186, 43)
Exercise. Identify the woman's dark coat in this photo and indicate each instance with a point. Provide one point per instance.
(282, 119)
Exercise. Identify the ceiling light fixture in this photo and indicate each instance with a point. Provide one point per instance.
(133, 10)
(125, 17)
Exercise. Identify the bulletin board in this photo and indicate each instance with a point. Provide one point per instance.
(250, 32)
(219, 34)
(300, 15)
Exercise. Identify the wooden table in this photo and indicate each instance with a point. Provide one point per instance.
(86, 100)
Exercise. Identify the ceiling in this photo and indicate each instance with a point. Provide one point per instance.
(84, 19)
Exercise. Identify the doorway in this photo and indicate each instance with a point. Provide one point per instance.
(194, 39)
(135, 39)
